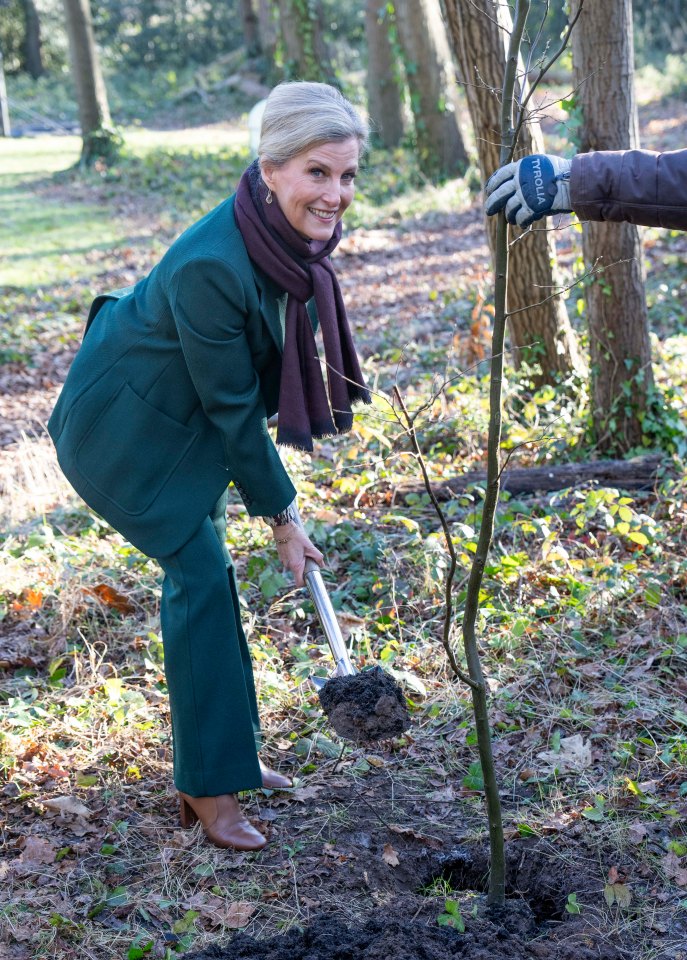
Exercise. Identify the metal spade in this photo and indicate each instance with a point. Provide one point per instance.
(330, 625)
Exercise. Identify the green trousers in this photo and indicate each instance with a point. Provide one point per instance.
(215, 725)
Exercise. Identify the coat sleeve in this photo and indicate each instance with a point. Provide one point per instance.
(209, 308)
(636, 186)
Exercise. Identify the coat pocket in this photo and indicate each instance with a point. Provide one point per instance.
(131, 450)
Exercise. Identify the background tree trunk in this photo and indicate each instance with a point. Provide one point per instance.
(383, 92)
(251, 28)
(5, 126)
(305, 52)
(542, 333)
(433, 87)
(94, 112)
(621, 374)
(33, 61)
(269, 33)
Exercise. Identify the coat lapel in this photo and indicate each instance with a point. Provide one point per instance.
(269, 294)
(268, 291)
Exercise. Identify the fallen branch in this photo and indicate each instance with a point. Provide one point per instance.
(639, 473)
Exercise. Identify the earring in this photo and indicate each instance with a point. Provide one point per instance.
(268, 198)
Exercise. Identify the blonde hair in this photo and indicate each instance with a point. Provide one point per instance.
(301, 114)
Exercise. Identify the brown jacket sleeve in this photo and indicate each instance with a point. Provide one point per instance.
(638, 186)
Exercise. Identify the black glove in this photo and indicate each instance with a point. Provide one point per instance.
(530, 188)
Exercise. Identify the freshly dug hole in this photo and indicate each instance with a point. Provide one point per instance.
(535, 870)
(366, 706)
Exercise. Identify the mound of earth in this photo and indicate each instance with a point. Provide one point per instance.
(509, 934)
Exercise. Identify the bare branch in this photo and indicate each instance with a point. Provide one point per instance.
(542, 73)
(453, 566)
(592, 270)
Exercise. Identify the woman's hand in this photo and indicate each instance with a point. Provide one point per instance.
(293, 546)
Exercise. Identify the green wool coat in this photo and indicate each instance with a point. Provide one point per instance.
(168, 397)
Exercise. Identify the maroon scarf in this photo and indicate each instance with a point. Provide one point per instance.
(301, 267)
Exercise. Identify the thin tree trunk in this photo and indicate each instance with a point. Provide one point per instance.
(5, 126)
(383, 90)
(621, 374)
(251, 31)
(433, 88)
(33, 60)
(94, 111)
(543, 332)
(302, 33)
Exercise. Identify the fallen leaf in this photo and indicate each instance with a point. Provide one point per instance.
(238, 914)
(37, 850)
(218, 912)
(310, 904)
(673, 869)
(68, 806)
(618, 893)
(329, 850)
(574, 755)
(112, 598)
(445, 794)
(375, 761)
(305, 793)
(113, 689)
(33, 598)
(636, 832)
(390, 856)
(433, 842)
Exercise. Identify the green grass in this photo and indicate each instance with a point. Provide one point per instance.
(53, 240)
(45, 242)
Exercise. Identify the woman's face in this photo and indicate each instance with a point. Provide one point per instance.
(316, 186)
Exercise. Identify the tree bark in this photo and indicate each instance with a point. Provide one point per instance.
(33, 61)
(302, 32)
(384, 104)
(433, 88)
(621, 374)
(94, 112)
(251, 28)
(542, 333)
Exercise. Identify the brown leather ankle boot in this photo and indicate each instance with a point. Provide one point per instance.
(222, 820)
(273, 780)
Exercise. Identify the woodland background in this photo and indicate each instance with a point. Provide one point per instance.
(584, 611)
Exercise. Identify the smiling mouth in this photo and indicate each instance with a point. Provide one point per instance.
(327, 215)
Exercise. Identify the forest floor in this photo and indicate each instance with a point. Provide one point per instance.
(374, 852)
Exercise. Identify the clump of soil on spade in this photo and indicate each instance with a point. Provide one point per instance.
(366, 706)
(533, 924)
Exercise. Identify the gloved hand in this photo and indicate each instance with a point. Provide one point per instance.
(530, 188)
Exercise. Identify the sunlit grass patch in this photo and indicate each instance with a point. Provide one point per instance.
(46, 240)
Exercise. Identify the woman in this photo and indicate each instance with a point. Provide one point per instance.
(167, 402)
(634, 186)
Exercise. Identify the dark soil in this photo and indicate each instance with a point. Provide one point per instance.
(533, 925)
(508, 934)
(365, 707)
